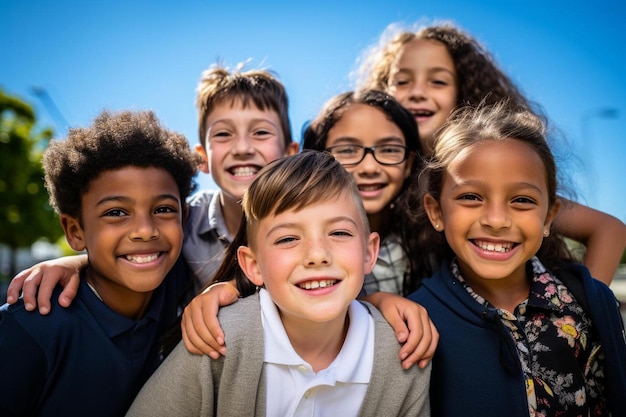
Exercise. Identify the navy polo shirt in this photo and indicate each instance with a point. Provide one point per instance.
(84, 360)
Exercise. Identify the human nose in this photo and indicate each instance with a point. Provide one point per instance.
(417, 91)
(368, 164)
(496, 216)
(144, 229)
(317, 253)
(242, 145)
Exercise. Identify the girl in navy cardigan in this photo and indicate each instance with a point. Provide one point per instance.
(523, 329)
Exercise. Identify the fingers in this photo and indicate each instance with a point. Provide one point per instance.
(69, 291)
(202, 333)
(44, 295)
(425, 339)
(27, 282)
(400, 328)
(196, 335)
(15, 286)
(190, 338)
(430, 352)
(38, 282)
(412, 348)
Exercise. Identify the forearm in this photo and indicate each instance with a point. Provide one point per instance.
(603, 235)
(604, 252)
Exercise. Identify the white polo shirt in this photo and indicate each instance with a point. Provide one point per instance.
(293, 389)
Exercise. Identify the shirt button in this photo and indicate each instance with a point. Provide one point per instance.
(307, 394)
(303, 369)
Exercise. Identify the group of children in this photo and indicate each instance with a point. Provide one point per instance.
(436, 151)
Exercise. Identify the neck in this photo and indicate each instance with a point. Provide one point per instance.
(120, 299)
(504, 294)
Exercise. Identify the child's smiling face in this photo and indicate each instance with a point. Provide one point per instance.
(240, 141)
(131, 227)
(312, 260)
(424, 80)
(379, 185)
(494, 208)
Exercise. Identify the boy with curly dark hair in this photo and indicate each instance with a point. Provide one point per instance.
(119, 187)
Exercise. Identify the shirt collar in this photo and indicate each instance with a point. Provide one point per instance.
(215, 217)
(346, 366)
(112, 322)
(545, 291)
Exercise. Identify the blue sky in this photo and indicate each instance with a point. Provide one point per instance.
(568, 56)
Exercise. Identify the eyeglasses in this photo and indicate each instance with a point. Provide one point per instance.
(349, 155)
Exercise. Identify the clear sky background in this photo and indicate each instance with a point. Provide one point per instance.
(568, 56)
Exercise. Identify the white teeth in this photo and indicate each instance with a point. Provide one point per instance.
(311, 285)
(244, 171)
(142, 259)
(364, 187)
(494, 247)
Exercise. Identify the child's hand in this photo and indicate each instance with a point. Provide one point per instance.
(413, 327)
(38, 282)
(201, 329)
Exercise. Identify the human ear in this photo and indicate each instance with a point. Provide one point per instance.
(371, 251)
(204, 166)
(249, 265)
(433, 210)
(292, 149)
(73, 232)
(550, 216)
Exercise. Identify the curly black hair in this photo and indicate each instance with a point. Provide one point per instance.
(114, 141)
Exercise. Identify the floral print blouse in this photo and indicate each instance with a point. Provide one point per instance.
(559, 350)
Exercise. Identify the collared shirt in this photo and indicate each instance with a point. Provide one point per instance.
(294, 389)
(559, 349)
(206, 236)
(392, 265)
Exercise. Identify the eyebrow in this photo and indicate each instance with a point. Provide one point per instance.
(387, 139)
(288, 225)
(430, 70)
(121, 198)
(230, 121)
(520, 184)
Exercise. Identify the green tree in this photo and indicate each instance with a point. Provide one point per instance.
(25, 215)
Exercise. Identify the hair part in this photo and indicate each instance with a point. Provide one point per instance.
(114, 141)
(258, 88)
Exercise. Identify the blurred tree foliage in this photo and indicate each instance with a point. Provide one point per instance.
(25, 215)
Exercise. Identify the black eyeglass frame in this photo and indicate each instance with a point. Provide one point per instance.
(370, 149)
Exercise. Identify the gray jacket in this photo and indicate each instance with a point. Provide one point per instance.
(193, 385)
